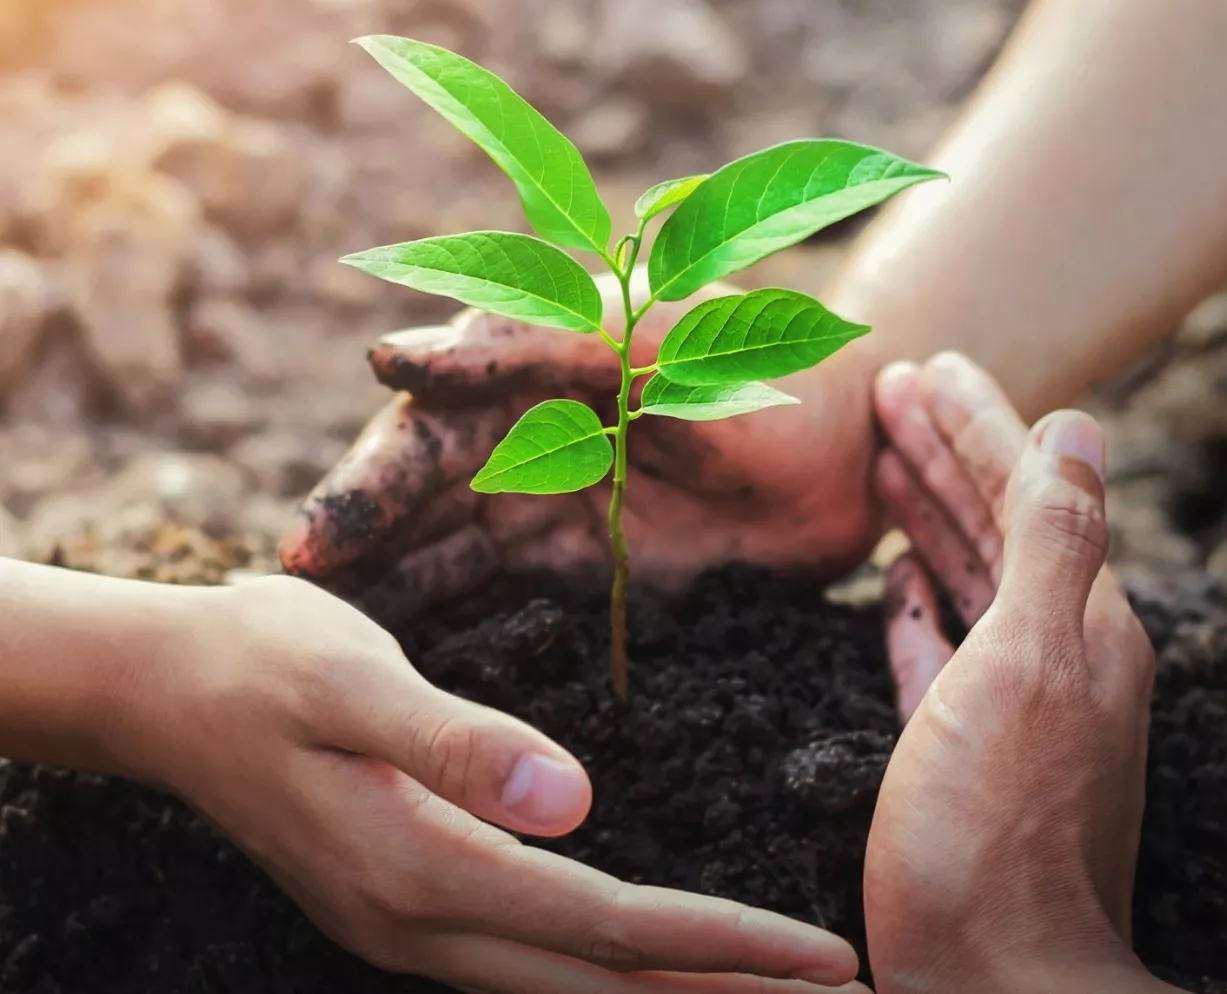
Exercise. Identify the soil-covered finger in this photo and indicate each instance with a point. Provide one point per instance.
(936, 539)
(915, 645)
(403, 460)
(482, 359)
(431, 575)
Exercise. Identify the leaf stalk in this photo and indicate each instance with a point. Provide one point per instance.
(617, 539)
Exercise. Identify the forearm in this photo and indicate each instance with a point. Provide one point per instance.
(79, 656)
(1086, 211)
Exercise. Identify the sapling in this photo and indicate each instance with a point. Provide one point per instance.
(712, 364)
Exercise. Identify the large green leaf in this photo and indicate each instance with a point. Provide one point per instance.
(559, 196)
(556, 448)
(754, 336)
(517, 276)
(662, 196)
(768, 201)
(673, 400)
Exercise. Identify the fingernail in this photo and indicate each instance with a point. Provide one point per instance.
(545, 792)
(959, 376)
(1077, 436)
(423, 340)
(892, 375)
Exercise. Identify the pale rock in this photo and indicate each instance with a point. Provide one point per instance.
(678, 52)
(25, 298)
(248, 177)
(215, 412)
(565, 34)
(964, 39)
(285, 462)
(218, 264)
(173, 114)
(223, 328)
(38, 459)
(614, 129)
(200, 491)
(127, 253)
(123, 237)
(60, 389)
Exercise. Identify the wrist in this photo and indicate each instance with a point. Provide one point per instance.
(156, 695)
(85, 663)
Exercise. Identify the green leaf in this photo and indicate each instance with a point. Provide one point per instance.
(556, 189)
(664, 195)
(673, 400)
(768, 201)
(557, 447)
(517, 276)
(755, 336)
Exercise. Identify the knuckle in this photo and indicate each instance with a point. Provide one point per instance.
(607, 940)
(605, 946)
(447, 750)
(1072, 518)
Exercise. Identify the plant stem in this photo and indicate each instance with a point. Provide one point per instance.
(617, 598)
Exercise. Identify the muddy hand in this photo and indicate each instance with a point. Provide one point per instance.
(396, 525)
(371, 797)
(1003, 847)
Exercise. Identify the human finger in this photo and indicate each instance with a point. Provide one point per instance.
(915, 646)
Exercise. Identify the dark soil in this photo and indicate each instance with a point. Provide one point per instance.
(746, 766)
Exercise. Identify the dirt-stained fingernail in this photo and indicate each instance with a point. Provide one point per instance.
(545, 792)
(423, 340)
(1076, 436)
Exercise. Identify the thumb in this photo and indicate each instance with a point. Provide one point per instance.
(1056, 526)
(479, 759)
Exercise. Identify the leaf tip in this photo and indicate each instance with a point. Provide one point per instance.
(480, 483)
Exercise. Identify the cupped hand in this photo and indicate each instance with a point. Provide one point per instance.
(396, 526)
(1004, 842)
(297, 725)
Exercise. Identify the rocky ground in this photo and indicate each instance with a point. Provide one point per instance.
(178, 343)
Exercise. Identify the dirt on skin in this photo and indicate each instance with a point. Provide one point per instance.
(746, 765)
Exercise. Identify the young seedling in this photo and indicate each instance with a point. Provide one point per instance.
(712, 364)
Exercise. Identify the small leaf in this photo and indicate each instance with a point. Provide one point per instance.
(558, 447)
(758, 205)
(673, 400)
(664, 195)
(755, 336)
(517, 276)
(556, 188)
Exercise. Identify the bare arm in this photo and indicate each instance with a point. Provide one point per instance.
(1087, 208)
(76, 651)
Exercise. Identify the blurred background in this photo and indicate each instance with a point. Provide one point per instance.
(181, 356)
